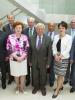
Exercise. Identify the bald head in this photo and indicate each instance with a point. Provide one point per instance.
(51, 26)
(73, 23)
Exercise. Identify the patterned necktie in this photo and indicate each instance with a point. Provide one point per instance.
(39, 43)
(30, 32)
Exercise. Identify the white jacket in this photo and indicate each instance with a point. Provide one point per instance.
(66, 43)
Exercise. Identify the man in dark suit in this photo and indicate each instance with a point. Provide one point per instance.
(69, 72)
(51, 33)
(8, 28)
(3, 37)
(72, 61)
(29, 31)
(40, 53)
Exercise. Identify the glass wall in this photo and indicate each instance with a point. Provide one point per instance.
(58, 6)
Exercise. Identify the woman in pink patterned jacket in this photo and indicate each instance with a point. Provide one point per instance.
(17, 47)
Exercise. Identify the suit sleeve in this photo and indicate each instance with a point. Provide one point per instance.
(72, 50)
(49, 52)
(30, 52)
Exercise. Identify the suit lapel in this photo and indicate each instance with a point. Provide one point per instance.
(34, 42)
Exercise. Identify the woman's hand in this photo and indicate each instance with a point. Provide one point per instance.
(19, 59)
(57, 58)
(61, 56)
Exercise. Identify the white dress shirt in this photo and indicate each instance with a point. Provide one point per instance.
(51, 34)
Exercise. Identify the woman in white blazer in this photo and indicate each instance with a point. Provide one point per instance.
(61, 49)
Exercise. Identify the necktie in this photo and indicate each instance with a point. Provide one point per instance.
(49, 34)
(39, 43)
(30, 32)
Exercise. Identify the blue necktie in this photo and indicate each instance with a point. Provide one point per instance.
(39, 43)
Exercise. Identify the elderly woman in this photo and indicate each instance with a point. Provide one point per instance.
(17, 46)
(61, 54)
(40, 51)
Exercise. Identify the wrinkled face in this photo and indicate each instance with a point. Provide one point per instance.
(51, 27)
(30, 23)
(40, 30)
(18, 29)
(10, 19)
(73, 24)
(62, 29)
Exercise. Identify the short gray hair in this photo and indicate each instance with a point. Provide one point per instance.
(31, 18)
(40, 25)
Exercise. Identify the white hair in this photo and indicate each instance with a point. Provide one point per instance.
(31, 18)
(40, 25)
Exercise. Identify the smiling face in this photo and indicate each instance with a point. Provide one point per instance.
(18, 29)
(10, 19)
(31, 22)
(62, 26)
(51, 27)
(73, 24)
(40, 30)
(62, 29)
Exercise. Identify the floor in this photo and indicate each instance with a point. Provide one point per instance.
(9, 94)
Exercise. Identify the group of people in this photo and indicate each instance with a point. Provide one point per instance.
(31, 53)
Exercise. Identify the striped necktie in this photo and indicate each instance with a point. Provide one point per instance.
(30, 32)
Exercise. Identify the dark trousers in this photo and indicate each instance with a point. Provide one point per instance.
(52, 74)
(3, 72)
(73, 75)
(28, 75)
(39, 77)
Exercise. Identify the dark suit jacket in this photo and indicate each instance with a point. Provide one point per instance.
(40, 57)
(26, 32)
(3, 38)
(72, 53)
(7, 29)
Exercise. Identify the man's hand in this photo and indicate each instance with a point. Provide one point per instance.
(47, 66)
(71, 61)
(30, 64)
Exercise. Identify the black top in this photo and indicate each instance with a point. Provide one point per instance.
(59, 45)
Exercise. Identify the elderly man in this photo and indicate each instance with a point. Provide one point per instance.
(29, 31)
(9, 27)
(40, 53)
(71, 31)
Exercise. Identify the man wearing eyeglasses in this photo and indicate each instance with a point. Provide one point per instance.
(69, 74)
